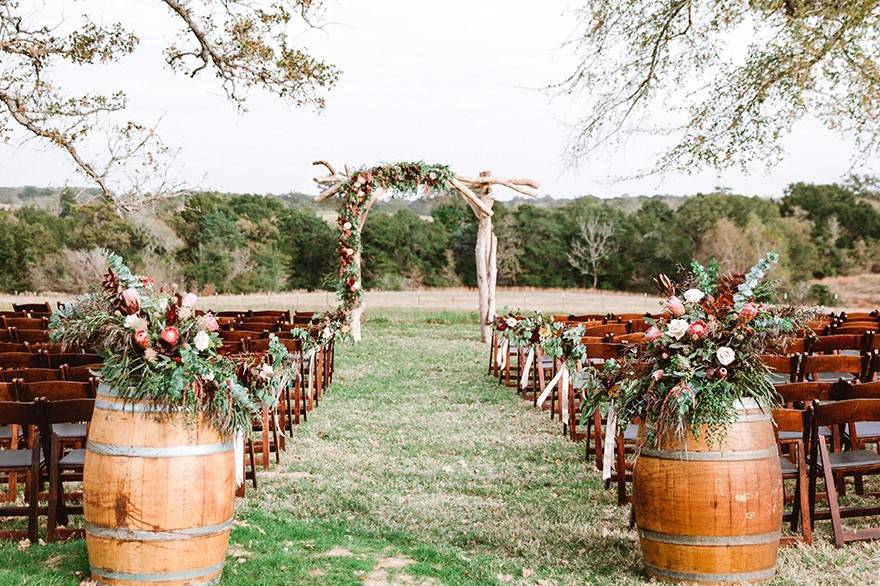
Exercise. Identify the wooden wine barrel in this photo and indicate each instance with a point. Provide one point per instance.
(711, 514)
(158, 496)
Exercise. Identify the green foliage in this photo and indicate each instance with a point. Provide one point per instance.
(252, 243)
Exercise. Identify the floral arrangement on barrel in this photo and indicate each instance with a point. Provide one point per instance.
(399, 179)
(156, 346)
(701, 357)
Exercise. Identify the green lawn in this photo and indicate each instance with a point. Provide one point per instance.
(418, 468)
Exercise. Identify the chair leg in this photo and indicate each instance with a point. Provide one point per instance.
(621, 471)
(253, 459)
(804, 499)
(33, 501)
(56, 494)
(831, 489)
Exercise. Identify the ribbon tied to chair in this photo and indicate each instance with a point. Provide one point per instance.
(609, 443)
(527, 365)
(562, 378)
(502, 355)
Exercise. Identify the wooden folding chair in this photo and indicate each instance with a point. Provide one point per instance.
(72, 359)
(25, 323)
(783, 367)
(22, 460)
(838, 344)
(63, 466)
(848, 461)
(833, 367)
(43, 307)
(795, 422)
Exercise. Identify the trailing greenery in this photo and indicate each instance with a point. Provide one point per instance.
(357, 193)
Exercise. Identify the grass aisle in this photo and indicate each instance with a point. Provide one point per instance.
(419, 469)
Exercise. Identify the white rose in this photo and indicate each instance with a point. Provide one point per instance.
(725, 355)
(677, 328)
(267, 370)
(693, 295)
(131, 320)
(347, 225)
(202, 341)
(511, 322)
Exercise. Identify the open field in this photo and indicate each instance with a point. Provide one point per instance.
(550, 300)
(419, 469)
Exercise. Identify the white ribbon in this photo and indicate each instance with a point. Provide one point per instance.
(610, 441)
(501, 356)
(561, 376)
(311, 357)
(238, 450)
(524, 378)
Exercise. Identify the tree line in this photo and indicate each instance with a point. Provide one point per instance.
(250, 243)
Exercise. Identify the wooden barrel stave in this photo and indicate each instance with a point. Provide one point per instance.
(158, 496)
(711, 514)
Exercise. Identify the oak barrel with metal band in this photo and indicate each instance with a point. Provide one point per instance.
(711, 513)
(158, 494)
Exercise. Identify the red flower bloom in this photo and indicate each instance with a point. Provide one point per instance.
(748, 312)
(142, 339)
(170, 336)
(698, 329)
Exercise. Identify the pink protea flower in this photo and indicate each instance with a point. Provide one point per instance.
(131, 300)
(698, 329)
(653, 334)
(748, 312)
(675, 306)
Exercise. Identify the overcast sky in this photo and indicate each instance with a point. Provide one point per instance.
(453, 82)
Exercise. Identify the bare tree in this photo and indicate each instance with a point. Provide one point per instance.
(594, 243)
(244, 42)
(724, 107)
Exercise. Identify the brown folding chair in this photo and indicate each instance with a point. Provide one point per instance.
(22, 460)
(32, 375)
(22, 360)
(13, 347)
(68, 433)
(63, 466)
(795, 422)
(43, 307)
(838, 344)
(783, 367)
(850, 460)
(25, 323)
(72, 359)
(833, 367)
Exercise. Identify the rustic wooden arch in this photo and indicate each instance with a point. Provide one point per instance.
(477, 193)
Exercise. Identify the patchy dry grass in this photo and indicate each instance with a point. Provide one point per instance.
(419, 469)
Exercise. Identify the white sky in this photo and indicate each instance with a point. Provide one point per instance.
(452, 82)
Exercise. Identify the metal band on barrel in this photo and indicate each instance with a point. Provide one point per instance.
(712, 578)
(710, 456)
(710, 540)
(158, 452)
(168, 535)
(161, 576)
(130, 407)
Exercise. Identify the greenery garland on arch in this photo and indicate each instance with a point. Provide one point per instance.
(400, 180)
